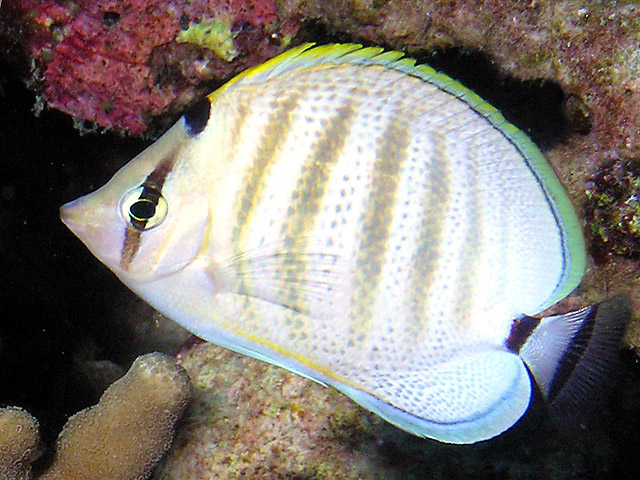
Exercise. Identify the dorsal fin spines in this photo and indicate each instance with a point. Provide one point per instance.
(309, 55)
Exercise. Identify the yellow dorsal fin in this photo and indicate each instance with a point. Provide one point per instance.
(308, 55)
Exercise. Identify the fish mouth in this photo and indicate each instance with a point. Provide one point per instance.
(69, 214)
(88, 224)
(73, 215)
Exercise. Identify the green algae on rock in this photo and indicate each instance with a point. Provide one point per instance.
(212, 34)
(612, 210)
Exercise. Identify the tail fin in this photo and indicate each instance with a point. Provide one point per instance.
(574, 357)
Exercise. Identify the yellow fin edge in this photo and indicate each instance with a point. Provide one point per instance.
(313, 367)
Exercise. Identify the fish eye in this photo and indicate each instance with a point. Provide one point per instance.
(143, 208)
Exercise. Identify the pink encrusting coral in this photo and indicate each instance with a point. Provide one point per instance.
(106, 61)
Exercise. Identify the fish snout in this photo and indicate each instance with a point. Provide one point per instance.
(74, 215)
(95, 226)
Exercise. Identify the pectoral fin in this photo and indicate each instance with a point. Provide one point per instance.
(304, 281)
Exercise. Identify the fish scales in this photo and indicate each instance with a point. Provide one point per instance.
(301, 212)
(366, 223)
(360, 320)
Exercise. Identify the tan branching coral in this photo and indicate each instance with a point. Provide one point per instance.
(18, 443)
(128, 431)
(120, 438)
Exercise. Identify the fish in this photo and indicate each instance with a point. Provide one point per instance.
(370, 224)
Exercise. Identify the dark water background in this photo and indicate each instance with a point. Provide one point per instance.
(57, 304)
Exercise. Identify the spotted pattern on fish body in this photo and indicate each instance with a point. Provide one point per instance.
(367, 223)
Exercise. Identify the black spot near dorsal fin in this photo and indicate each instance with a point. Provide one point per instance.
(196, 118)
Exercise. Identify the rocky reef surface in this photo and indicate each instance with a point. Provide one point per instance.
(248, 419)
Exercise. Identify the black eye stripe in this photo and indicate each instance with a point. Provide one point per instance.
(151, 192)
(140, 212)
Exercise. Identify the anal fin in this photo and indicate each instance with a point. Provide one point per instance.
(467, 399)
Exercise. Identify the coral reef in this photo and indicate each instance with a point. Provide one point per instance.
(18, 442)
(121, 63)
(248, 419)
(120, 438)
